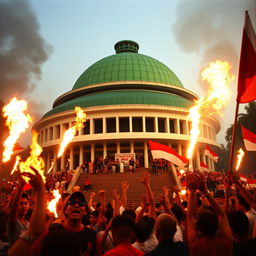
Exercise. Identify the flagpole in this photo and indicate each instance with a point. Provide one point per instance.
(231, 155)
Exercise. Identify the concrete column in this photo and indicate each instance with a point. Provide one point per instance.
(81, 154)
(62, 162)
(130, 123)
(187, 128)
(55, 153)
(197, 159)
(169, 144)
(48, 161)
(104, 125)
(104, 150)
(179, 149)
(92, 152)
(145, 154)
(177, 126)
(132, 147)
(143, 124)
(92, 126)
(167, 125)
(117, 124)
(156, 124)
(118, 147)
(71, 157)
(191, 164)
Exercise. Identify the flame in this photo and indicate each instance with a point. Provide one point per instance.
(18, 158)
(34, 159)
(183, 192)
(52, 165)
(17, 122)
(239, 158)
(52, 204)
(181, 172)
(219, 78)
(70, 133)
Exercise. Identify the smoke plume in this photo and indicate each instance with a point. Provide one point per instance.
(208, 28)
(22, 49)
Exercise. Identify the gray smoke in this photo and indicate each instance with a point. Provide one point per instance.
(207, 28)
(22, 49)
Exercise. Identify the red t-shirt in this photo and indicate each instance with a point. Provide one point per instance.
(124, 249)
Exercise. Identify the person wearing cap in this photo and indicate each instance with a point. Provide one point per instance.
(74, 210)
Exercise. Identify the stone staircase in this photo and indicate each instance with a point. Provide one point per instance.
(108, 182)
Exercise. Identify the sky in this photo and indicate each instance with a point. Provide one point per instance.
(45, 45)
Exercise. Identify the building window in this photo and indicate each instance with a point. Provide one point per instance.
(182, 130)
(57, 132)
(205, 131)
(172, 125)
(45, 134)
(137, 124)
(150, 124)
(161, 125)
(86, 128)
(98, 125)
(124, 124)
(210, 132)
(51, 133)
(111, 125)
(125, 147)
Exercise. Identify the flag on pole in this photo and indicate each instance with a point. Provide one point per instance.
(249, 139)
(246, 91)
(251, 182)
(242, 177)
(204, 166)
(162, 151)
(208, 152)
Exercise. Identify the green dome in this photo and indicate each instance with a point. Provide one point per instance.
(121, 98)
(127, 65)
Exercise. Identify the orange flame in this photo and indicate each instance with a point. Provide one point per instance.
(34, 159)
(52, 204)
(239, 158)
(18, 158)
(218, 75)
(52, 164)
(17, 122)
(183, 192)
(70, 133)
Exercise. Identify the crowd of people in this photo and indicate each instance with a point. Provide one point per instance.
(197, 222)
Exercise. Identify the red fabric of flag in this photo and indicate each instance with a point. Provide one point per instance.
(246, 91)
(211, 154)
(249, 139)
(162, 151)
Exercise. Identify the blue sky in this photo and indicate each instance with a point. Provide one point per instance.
(183, 34)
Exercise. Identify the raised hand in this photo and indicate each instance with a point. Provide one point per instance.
(102, 193)
(145, 178)
(125, 185)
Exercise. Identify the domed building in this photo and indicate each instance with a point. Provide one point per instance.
(129, 98)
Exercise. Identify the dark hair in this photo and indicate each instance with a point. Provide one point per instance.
(184, 204)
(25, 195)
(95, 213)
(239, 223)
(144, 228)
(243, 202)
(207, 222)
(130, 213)
(177, 211)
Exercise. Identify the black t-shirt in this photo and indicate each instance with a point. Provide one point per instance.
(87, 238)
(245, 248)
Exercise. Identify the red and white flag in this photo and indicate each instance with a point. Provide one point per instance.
(162, 151)
(246, 90)
(203, 166)
(249, 139)
(251, 182)
(208, 152)
(17, 149)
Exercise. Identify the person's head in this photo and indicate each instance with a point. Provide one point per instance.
(23, 205)
(177, 211)
(130, 213)
(207, 222)
(61, 242)
(239, 225)
(242, 204)
(76, 207)
(94, 217)
(122, 229)
(144, 228)
(165, 227)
